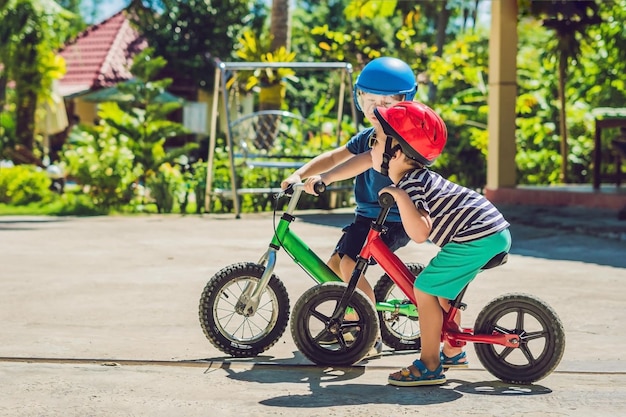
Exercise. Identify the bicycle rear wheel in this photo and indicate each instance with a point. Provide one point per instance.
(237, 334)
(398, 331)
(541, 334)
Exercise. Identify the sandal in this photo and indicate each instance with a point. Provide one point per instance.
(426, 377)
(454, 362)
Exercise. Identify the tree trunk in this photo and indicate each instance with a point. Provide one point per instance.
(271, 97)
(442, 24)
(280, 25)
(563, 117)
(27, 83)
(25, 123)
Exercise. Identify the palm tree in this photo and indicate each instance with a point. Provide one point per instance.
(280, 25)
(569, 19)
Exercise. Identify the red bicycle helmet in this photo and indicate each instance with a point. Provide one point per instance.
(421, 132)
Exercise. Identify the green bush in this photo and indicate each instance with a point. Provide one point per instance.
(198, 184)
(74, 204)
(24, 184)
(165, 186)
(102, 164)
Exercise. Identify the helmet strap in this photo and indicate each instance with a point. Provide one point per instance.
(387, 155)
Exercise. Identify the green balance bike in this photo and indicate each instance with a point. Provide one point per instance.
(244, 307)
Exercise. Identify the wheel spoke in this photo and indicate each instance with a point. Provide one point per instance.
(226, 298)
(252, 324)
(505, 352)
(502, 330)
(520, 320)
(351, 324)
(318, 315)
(542, 334)
(528, 354)
(238, 330)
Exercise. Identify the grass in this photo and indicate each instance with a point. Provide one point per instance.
(35, 209)
(70, 204)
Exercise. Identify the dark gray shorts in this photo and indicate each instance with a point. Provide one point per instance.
(354, 236)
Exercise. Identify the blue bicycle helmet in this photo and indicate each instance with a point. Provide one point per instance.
(386, 76)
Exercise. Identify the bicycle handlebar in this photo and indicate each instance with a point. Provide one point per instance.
(319, 187)
(290, 189)
(386, 200)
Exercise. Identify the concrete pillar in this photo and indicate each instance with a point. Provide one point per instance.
(501, 170)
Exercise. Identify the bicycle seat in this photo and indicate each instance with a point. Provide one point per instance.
(499, 259)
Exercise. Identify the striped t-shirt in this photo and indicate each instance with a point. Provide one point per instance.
(458, 214)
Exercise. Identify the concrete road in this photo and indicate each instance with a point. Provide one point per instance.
(100, 318)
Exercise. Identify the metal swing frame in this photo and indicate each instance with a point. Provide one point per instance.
(224, 70)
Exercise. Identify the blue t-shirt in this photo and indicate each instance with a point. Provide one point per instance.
(369, 183)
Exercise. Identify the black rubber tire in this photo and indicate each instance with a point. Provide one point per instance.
(541, 332)
(232, 332)
(312, 313)
(397, 331)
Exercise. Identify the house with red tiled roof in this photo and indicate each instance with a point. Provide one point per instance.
(99, 57)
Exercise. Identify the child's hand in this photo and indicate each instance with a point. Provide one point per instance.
(389, 189)
(290, 180)
(310, 183)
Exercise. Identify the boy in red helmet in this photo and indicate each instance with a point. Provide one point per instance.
(464, 224)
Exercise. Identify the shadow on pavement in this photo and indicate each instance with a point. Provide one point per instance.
(497, 387)
(26, 223)
(330, 387)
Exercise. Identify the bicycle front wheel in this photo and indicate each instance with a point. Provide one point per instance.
(311, 318)
(233, 332)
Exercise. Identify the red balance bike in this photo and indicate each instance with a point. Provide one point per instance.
(517, 337)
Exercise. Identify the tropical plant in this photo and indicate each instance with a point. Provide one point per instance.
(570, 21)
(252, 48)
(102, 163)
(31, 30)
(143, 117)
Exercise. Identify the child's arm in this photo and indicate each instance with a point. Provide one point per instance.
(348, 169)
(416, 222)
(320, 163)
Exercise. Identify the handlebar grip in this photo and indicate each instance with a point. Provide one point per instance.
(386, 200)
(289, 190)
(319, 187)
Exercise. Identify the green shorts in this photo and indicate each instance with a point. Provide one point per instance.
(457, 264)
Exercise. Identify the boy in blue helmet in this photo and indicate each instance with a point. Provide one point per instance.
(383, 82)
(467, 227)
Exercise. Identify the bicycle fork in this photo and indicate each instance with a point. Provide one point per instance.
(248, 302)
(301, 254)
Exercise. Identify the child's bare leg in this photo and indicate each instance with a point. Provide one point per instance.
(334, 262)
(430, 320)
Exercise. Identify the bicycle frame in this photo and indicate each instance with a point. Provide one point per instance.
(376, 249)
(299, 251)
(312, 264)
